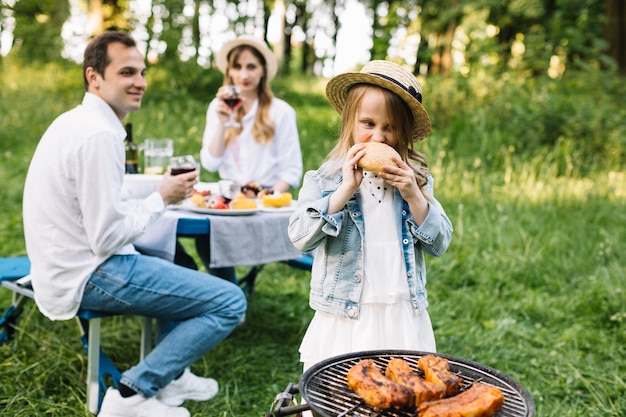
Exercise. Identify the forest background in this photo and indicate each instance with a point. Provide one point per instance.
(528, 150)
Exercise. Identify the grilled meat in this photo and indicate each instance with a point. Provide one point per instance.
(480, 400)
(399, 370)
(437, 370)
(369, 383)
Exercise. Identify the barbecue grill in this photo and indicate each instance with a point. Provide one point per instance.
(325, 390)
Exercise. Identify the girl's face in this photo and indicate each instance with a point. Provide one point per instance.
(246, 72)
(372, 121)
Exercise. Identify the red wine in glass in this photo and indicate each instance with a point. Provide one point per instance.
(232, 100)
(182, 170)
(182, 164)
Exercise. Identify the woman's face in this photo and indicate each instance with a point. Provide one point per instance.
(372, 122)
(246, 72)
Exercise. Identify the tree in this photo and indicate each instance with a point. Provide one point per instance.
(440, 22)
(38, 28)
(616, 32)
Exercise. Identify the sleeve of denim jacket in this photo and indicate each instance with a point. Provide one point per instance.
(435, 233)
(310, 224)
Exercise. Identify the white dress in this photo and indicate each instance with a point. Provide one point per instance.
(387, 319)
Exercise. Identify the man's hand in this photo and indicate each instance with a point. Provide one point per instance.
(176, 188)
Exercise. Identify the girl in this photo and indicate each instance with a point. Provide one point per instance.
(370, 230)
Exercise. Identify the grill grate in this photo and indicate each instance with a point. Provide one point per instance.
(325, 389)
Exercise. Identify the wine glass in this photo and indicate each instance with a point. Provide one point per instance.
(232, 100)
(182, 164)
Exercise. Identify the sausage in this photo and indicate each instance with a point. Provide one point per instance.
(369, 383)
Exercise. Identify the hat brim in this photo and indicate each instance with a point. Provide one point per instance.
(338, 87)
(271, 64)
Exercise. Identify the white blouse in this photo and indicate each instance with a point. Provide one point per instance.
(245, 159)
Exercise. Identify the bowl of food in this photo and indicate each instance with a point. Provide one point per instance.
(137, 186)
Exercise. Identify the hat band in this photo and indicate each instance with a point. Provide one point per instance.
(411, 90)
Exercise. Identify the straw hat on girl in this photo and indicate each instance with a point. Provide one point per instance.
(271, 64)
(390, 76)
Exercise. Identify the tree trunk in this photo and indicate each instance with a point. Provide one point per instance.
(95, 16)
(279, 45)
(446, 48)
(616, 32)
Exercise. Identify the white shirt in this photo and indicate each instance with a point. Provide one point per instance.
(74, 217)
(247, 160)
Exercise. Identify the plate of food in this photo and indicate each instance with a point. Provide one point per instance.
(207, 203)
(278, 202)
(223, 212)
(282, 209)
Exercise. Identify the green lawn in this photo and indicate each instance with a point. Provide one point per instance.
(533, 283)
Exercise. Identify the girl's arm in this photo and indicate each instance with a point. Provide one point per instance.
(352, 177)
(311, 223)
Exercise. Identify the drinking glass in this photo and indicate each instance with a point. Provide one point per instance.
(232, 100)
(182, 164)
(229, 189)
(157, 154)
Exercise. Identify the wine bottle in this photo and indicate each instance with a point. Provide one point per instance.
(132, 154)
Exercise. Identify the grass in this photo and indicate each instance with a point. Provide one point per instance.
(533, 283)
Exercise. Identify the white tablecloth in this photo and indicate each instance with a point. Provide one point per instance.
(254, 239)
(159, 239)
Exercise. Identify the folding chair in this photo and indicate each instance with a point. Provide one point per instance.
(14, 276)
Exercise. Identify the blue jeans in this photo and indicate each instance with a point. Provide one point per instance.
(196, 311)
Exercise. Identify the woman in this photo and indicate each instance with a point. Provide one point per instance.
(265, 149)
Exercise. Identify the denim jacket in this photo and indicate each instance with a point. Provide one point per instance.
(337, 240)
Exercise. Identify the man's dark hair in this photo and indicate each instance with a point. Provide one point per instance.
(96, 53)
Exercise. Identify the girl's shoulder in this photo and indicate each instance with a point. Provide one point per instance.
(327, 172)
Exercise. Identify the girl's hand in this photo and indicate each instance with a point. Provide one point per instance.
(353, 175)
(403, 178)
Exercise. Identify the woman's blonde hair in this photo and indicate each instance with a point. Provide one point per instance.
(263, 129)
(401, 120)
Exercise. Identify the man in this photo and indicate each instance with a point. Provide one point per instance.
(79, 236)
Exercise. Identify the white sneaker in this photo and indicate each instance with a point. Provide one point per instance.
(188, 387)
(114, 405)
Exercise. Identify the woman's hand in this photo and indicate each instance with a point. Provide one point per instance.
(223, 111)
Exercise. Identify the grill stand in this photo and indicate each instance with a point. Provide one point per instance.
(282, 403)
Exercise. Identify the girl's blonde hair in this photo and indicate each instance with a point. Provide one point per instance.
(401, 120)
(263, 129)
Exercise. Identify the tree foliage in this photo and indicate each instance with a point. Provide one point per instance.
(529, 37)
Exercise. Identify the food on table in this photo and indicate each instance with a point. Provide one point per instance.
(197, 200)
(480, 400)
(376, 155)
(251, 189)
(277, 199)
(217, 202)
(241, 202)
(399, 370)
(369, 383)
(437, 370)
